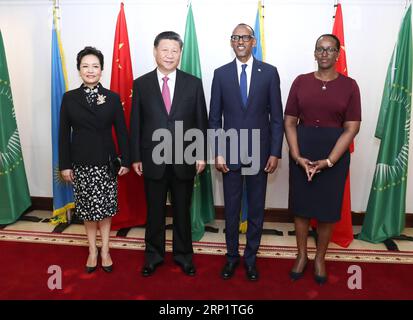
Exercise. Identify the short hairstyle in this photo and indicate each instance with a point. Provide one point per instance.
(86, 51)
(246, 25)
(338, 44)
(168, 35)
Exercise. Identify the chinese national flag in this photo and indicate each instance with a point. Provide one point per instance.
(131, 195)
(343, 229)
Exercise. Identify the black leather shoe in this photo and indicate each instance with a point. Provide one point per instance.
(252, 273)
(229, 270)
(148, 269)
(188, 269)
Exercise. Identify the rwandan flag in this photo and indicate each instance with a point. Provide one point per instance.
(259, 53)
(62, 191)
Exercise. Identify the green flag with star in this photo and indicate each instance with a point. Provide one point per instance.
(385, 214)
(14, 191)
(202, 208)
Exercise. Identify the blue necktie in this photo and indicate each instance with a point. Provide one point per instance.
(243, 85)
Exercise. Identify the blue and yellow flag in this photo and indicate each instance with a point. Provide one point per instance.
(62, 191)
(259, 53)
(259, 50)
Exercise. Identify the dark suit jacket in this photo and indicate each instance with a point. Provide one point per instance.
(85, 133)
(263, 112)
(149, 114)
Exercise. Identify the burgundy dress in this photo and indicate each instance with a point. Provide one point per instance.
(322, 113)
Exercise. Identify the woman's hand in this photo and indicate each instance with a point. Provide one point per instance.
(67, 175)
(123, 170)
(307, 165)
(317, 166)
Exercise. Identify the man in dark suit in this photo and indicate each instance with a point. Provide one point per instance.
(246, 93)
(169, 101)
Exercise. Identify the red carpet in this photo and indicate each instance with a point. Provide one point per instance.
(23, 275)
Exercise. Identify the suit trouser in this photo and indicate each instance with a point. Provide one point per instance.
(181, 194)
(256, 189)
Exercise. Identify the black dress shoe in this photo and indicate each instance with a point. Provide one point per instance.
(188, 269)
(229, 270)
(252, 273)
(149, 269)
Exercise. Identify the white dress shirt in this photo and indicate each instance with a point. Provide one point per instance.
(248, 71)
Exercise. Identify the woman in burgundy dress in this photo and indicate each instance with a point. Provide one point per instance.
(322, 117)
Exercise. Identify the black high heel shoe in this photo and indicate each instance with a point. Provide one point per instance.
(320, 279)
(92, 269)
(107, 269)
(298, 275)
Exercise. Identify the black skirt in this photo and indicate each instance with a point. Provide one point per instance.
(322, 197)
(95, 192)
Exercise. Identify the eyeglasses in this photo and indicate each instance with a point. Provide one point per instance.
(245, 37)
(329, 50)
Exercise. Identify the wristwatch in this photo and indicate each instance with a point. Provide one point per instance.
(329, 163)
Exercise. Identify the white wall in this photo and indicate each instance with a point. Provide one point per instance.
(291, 28)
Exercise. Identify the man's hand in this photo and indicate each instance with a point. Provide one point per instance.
(123, 170)
(137, 167)
(220, 164)
(271, 164)
(200, 166)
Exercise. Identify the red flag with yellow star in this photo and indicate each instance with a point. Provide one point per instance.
(343, 229)
(131, 195)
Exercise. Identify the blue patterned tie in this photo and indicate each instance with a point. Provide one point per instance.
(243, 86)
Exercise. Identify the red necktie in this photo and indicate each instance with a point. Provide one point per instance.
(166, 95)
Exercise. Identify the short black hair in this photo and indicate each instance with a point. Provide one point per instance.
(168, 35)
(246, 25)
(338, 44)
(86, 51)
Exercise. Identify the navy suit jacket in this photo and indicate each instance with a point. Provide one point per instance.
(263, 111)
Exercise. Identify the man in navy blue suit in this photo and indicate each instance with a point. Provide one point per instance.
(246, 99)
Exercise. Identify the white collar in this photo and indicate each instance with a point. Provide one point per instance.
(171, 76)
(248, 63)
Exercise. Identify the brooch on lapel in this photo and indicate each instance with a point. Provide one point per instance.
(101, 99)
